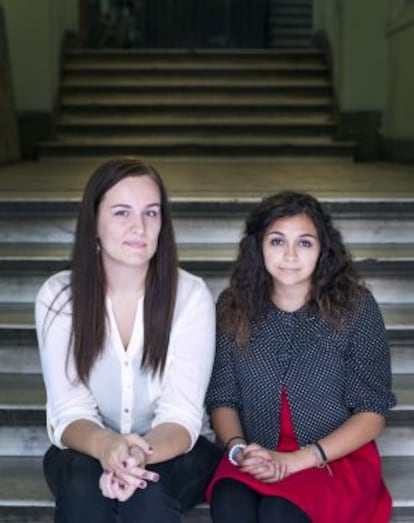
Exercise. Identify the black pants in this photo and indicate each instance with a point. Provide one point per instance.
(234, 501)
(73, 479)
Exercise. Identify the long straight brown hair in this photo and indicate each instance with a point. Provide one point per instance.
(88, 282)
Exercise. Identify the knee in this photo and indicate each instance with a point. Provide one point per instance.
(79, 477)
(154, 503)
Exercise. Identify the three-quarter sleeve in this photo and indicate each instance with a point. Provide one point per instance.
(367, 362)
(67, 399)
(222, 391)
(190, 358)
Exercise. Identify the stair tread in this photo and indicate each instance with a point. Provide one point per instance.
(186, 99)
(199, 251)
(233, 78)
(22, 483)
(168, 83)
(396, 316)
(162, 119)
(19, 390)
(170, 140)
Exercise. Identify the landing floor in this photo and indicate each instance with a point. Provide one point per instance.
(220, 178)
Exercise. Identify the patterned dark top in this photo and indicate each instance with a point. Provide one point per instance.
(328, 374)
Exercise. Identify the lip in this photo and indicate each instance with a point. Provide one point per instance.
(135, 244)
(289, 269)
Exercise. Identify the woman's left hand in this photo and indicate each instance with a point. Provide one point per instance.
(267, 465)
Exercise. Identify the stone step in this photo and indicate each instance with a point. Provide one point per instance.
(300, 92)
(32, 219)
(189, 131)
(293, 42)
(293, 32)
(388, 269)
(88, 59)
(21, 355)
(22, 416)
(292, 11)
(282, 106)
(149, 76)
(16, 321)
(242, 146)
(163, 121)
(24, 493)
(131, 90)
(32, 441)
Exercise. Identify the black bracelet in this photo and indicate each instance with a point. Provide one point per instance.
(321, 452)
(226, 446)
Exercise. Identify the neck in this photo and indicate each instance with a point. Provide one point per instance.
(289, 299)
(128, 281)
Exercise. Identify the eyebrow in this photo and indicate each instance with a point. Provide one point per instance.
(127, 206)
(306, 234)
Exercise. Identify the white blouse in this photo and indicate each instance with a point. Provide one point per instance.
(120, 395)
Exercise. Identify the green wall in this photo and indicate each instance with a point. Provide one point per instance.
(356, 31)
(399, 109)
(35, 29)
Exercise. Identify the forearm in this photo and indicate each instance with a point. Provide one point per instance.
(87, 437)
(226, 424)
(168, 440)
(358, 430)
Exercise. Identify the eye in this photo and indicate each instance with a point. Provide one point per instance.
(276, 241)
(122, 212)
(152, 213)
(305, 243)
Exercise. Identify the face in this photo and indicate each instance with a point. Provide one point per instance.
(129, 223)
(290, 250)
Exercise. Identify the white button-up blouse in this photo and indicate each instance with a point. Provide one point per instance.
(120, 395)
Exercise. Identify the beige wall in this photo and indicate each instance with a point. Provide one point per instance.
(35, 30)
(356, 30)
(372, 43)
(399, 109)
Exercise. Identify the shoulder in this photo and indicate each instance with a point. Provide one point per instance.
(367, 305)
(189, 284)
(56, 288)
(192, 289)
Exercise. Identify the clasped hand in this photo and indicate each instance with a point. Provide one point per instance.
(267, 465)
(123, 459)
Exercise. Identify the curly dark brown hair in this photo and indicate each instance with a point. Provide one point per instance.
(336, 286)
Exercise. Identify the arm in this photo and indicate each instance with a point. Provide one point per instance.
(268, 466)
(227, 426)
(179, 408)
(72, 412)
(368, 394)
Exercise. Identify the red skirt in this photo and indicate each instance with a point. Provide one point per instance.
(354, 493)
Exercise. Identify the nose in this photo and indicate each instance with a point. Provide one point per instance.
(290, 251)
(138, 224)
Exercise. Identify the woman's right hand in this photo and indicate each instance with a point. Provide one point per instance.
(125, 457)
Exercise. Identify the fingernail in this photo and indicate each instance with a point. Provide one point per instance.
(142, 484)
(106, 471)
(156, 477)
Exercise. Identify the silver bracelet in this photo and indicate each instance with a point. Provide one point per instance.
(234, 451)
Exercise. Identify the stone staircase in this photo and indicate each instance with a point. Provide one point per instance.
(276, 103)
(36, 234)
(290, 24)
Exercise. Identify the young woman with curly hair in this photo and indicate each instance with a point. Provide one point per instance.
(301, 381)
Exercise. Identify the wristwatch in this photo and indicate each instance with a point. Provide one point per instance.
(233, 451)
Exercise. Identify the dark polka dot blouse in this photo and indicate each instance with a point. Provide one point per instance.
(328, 374)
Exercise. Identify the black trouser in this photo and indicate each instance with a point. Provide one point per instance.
(234, 501)
(73, 479)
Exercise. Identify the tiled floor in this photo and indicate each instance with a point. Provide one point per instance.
(207, 178)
